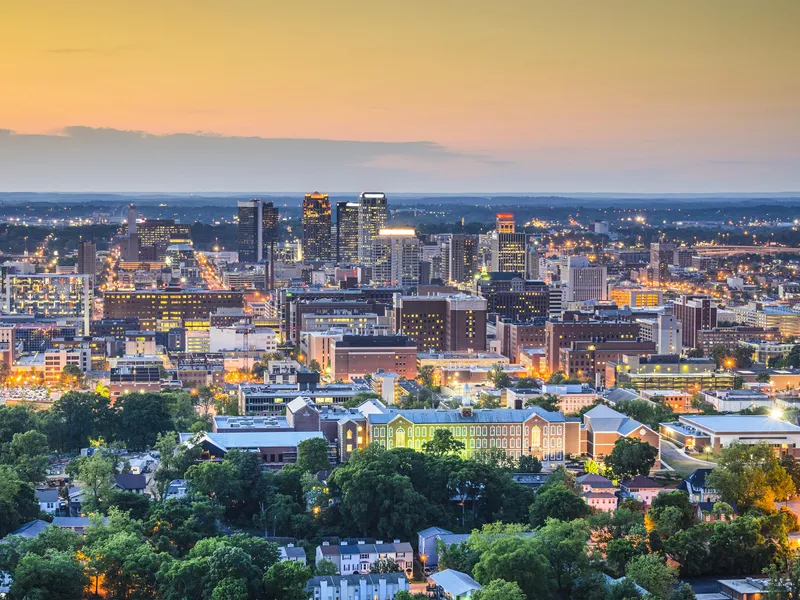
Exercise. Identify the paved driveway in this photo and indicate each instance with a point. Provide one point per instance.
(680, 462)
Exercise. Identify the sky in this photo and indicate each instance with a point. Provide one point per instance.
(406, 96)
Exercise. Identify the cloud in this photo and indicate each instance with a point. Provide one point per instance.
(101, 50)
(105, 159)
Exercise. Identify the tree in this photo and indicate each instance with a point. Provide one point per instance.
(762, 377)
(71, 377)
(459, 557)
(516, 559)
(563, 543)
(17, 501)
(624, 589)
(556, 502)
(324, 568)
(486, 400)
(142, 418)
(529, 464)
(312, 455)
(743, 357)
(425, 376)
(28, 453)
(500, 590)
(682, 592)
(631, 457)
(94, 473)
(77, 417)
(359, 399)
(498, 377)
(174, 460)
(721, 356)
(315, 366)
(653, 574)
(54, 576)
(385, 565)
(671, 511)
(784, 577)
(548, 402)
(751, 476)
(443, 442)
(286, 581)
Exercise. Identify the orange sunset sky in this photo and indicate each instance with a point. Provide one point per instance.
(502, 95)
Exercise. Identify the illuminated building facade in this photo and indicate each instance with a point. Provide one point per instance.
(316, 227)
(396, 255)
(51, 296)
(507, 247)
(347, 233)
(161, 310)
(372, 216)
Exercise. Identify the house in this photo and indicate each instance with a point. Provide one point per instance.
(176, 489)
(354, 559)
(601, 501)
(48, 500)
(426, 544)
(356, 587)
(641, 488)
(292, 553)
(455, 585)
(32, 529)
(447, 540)
(592, 482)
(749, 588)
(695, 486)
(130, 483)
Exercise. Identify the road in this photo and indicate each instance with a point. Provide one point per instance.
(680, 462)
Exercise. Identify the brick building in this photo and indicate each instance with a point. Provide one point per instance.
(359, 355)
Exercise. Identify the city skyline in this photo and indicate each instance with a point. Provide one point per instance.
(525, 97)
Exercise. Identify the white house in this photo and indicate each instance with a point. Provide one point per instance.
(292, 553)
(356, 587)
(358, 558)
(48, 500)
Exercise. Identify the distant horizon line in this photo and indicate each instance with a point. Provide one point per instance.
(253, 193)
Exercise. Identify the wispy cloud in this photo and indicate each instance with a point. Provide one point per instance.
(100, 50)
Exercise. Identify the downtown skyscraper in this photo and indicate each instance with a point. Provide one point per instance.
(316, 227)
(347, 233)
(372, 217)
(508, 246)
(257, 231)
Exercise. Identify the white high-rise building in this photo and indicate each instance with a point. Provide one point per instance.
(396, 255)
(584, 282)
(372, 216)
(665, 331)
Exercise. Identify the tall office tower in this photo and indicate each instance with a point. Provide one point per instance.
(583, 281)
(347, 233)
(508, 247)
(661, 255)
(131, 253)
(695, 312)
(372, 216)
(462, 257)
(87, 258)
(269, 237)
(250, 232)
(316, 227)
(396, 256)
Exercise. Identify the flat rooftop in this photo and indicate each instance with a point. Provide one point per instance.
(762, 424)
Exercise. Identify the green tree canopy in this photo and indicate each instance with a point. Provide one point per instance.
(631, 457)
(751, 476)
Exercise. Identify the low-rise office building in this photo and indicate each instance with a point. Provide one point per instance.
(659, 372)
(695, 432)
(728, 401)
